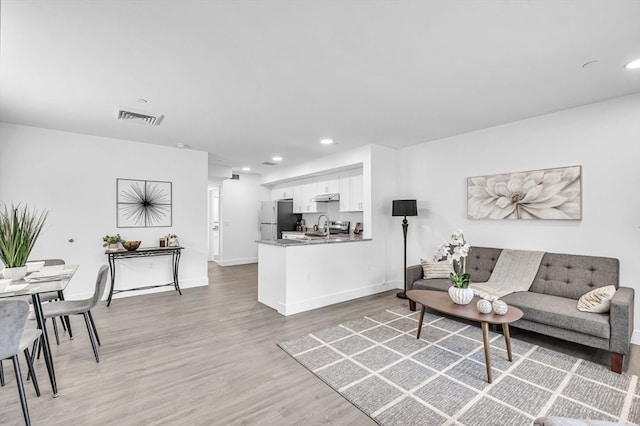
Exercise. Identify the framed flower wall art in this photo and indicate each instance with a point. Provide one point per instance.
(143, 203)
(538, 194)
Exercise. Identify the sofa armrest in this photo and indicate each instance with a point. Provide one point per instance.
(621, 320)
(414, 272)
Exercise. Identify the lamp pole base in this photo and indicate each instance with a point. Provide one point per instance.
(402, 295)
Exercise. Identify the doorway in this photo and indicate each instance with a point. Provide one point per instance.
(214, 223)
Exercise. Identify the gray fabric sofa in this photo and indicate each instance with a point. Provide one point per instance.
(550, 305)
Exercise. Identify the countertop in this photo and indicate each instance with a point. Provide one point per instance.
(313, 241)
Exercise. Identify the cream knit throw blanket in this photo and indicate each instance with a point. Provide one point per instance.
(515, 271)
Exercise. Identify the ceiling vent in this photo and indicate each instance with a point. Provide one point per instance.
(269, 163)
(130, 114)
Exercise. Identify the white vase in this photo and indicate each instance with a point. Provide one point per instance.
(460, 296)
(15, 274)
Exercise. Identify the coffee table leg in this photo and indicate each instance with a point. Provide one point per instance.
(507, 339)
(487, 354)
(420, 323)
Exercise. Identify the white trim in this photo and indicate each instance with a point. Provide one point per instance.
(232, 262)
(330, 299)
(635, 337)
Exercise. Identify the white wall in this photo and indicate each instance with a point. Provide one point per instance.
(74, 176)
(604, 138)
(239, 219)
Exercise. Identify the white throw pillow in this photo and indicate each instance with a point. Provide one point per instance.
(440, 269)
(597, 300)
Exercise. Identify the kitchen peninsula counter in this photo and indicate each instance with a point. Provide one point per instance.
(312, 241)
(299, 275)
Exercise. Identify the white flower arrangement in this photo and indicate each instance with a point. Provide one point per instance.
(456, 250)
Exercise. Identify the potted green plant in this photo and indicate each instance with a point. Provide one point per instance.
(112, 241)
(19, 230)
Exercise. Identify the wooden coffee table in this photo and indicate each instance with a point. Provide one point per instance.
(441, 302)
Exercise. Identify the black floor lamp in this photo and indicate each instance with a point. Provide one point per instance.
(404, 208)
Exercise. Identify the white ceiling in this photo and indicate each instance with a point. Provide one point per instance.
(245, 80)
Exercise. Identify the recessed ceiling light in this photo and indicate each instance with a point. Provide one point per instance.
(246, 169)
(590, 64)
(633, 65)
(277, 158)
(180, 145)
(142, 101)
(326, 141)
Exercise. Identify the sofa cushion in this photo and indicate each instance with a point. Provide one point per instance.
(440, 284)
(569, 275)
(440, 269)
(481, 261)
(559, 312)
(597, 300)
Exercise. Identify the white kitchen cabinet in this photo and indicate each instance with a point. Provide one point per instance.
(309, 190)
(297, 199)
(328, 186)
(356, 193)
(282, 193)
(351, 192)
(345, 193)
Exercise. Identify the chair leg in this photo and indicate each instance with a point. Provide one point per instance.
(32, 357)
(1, 374)
(93, 342)
(55, 330)
(23, 397)
(66, 320)
(32, 373)
(95, 331)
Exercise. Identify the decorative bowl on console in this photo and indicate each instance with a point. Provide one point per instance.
(131, 245)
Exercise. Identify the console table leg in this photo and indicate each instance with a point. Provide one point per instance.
(112, 271)
(176, 263)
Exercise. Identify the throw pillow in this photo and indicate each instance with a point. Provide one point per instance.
(597, 300)
(440, 269)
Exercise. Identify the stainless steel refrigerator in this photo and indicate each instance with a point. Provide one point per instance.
(275, 217)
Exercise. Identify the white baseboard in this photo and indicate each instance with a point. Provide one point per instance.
(330, 299)
(635, 337)
(233, 262)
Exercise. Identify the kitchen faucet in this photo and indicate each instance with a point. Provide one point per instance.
(327, 223)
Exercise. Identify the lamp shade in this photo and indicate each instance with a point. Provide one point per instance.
(404, 208)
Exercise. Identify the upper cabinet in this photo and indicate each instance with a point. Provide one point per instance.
(328, 186)
(348, 184)
(297, 199)
(351, 192)
(308, 191)
(282, 193)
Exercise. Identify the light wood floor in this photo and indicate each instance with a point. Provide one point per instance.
(208, 357)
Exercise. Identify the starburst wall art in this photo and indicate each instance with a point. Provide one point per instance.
(143, 203)
(538, 194)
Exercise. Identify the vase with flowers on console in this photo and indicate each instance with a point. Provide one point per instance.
(456, 251)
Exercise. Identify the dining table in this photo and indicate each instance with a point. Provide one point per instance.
(47, 279)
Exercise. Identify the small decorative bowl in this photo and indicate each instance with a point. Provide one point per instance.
(131, 245)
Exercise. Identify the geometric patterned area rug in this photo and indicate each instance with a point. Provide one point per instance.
(378, 365)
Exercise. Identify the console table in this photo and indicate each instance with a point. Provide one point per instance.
(114, 255)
